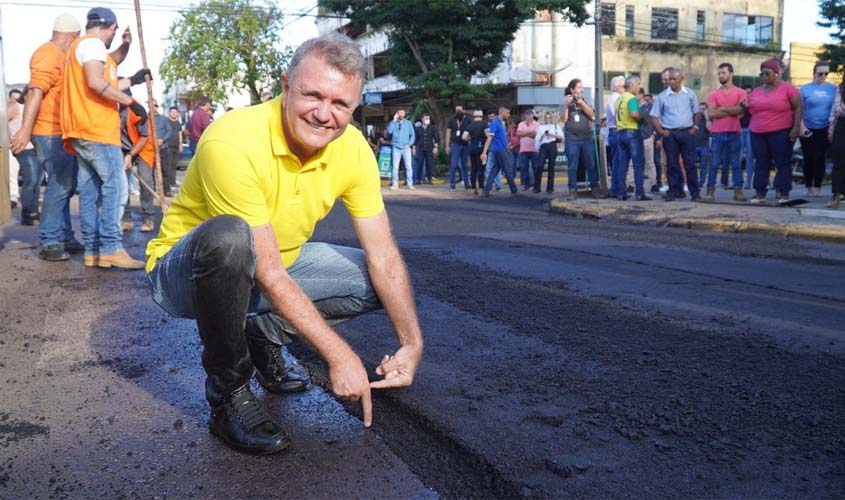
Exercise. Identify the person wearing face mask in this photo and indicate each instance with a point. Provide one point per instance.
(818, 98)
(425, 148)
(457, 147)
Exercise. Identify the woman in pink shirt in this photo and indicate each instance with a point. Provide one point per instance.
(776, 112)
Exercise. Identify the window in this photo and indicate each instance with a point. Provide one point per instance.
(664, 24)
(608, 19)
(655, 83)
(610, 75)
(748, 30)
(699, 25)
(629, 21)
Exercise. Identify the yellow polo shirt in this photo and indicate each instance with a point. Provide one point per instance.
(243, 167)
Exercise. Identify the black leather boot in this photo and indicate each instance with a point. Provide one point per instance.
(243, 424)
(265, 350)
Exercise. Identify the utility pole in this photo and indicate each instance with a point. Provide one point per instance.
(5, 201)
(599, 99)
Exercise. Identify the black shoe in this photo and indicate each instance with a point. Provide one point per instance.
(669, 196)
(243, 424)
(682, 194)
(630, 189)
(74, 247)
(53, 253)
(695, 197)
(643, 197)
(536, 190)
(270, 370)
(27, 221)
(624, 197)
(655, 189)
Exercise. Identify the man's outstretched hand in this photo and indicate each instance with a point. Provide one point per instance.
(349, 380)
(398, 370)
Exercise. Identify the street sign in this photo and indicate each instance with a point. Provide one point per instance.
(372, 98)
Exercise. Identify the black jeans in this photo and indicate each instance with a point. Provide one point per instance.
(425, 165)
(476, 175)
(169, 157)
(209, 275)
(815, 150)
(548, 152)
(839, 157)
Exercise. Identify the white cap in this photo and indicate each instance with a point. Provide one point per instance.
(66, 23)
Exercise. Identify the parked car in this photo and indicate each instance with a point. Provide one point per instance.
(185, 156)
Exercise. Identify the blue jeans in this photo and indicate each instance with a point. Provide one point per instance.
(399, 155)
(209, 275)
(702, 155)
(658, 165)
(526, 172)
(629, 147)
(61, 168)
(681, 143)
(488, 169)
(772, 147)
(748, 154)
(32, 176)
(611, 143)
(725, 147)
(578, 152)
(503, 162)
(458, 157)
(103, 192)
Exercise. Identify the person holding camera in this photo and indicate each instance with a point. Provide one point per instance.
(577, 118)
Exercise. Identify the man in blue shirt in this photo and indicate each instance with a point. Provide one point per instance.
(497, 145)
(403, 137)
(674, 115)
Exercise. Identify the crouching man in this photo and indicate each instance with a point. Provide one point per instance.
(233, 249)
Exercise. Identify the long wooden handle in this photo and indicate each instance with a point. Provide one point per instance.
(159, 181)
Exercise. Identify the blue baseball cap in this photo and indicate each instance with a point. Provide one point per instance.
(102, 15)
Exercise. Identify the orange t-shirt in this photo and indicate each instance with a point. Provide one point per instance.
(84, 113)
(46, 68)
(148, 152)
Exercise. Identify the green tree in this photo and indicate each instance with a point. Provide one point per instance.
(437, 46)
(833, 16)
(222, 46)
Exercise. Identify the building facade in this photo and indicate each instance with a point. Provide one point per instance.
(644, 37)
(802, 58)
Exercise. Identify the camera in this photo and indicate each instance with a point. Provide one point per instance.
(578, 98)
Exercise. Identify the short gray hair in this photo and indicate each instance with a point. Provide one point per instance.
(336, 49)
(617, 81)
(631, 80)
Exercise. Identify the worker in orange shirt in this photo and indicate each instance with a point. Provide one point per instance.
(91, 129)
(41, 126)
(138, 146)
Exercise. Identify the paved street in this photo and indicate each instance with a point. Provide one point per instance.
(564, 358)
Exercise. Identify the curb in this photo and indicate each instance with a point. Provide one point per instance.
(715, 225)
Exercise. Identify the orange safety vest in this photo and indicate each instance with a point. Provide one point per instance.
(84, 113)
(148, 152)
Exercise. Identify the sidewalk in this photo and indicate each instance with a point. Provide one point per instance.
(811, 220)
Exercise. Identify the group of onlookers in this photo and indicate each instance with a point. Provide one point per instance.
(759, 125)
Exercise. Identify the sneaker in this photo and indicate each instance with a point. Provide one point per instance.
(686, 189)
(119, 259)
(411, 187)
(242, 423)
(739, 195)
(643, 197)
(664, 189)
(783, 198)
(711, 194)
(53, 253)
(73, 247)
(147, 226)
(394, 187)
(695, 197)
(624, 197)
(669, 196)
(655, 189)
(758, 200)
(126, 225)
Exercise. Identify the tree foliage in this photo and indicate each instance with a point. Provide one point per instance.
(222, 46)
(833, 16)
(437, 46)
